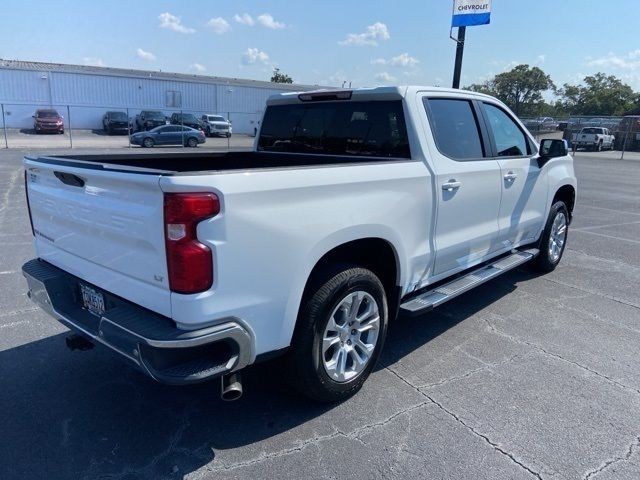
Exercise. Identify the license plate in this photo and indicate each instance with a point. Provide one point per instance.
(92, 300)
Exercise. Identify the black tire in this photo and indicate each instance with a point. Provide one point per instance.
(599, 147)
(148, 142)
(228, 135)
(544, 262)
(192, 142)
(306, 370)
(208, 131)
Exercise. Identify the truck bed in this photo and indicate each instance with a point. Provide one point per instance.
(202, 162)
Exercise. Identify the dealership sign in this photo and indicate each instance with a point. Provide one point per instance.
(470, 12)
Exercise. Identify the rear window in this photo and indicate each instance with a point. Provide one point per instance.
(592, 130)
(455, 128)
(373, 128)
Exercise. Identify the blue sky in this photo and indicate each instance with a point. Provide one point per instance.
(326, 42)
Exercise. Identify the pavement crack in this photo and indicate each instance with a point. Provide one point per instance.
(486, 439)
(593, 292)
(560, 357)
(607, 463)
(353, 435)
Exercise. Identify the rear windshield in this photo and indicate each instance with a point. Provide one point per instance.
(591, 130)
(373, 128)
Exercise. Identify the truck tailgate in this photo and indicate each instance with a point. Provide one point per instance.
(103, 226)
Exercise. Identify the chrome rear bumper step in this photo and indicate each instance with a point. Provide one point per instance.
(439, 295)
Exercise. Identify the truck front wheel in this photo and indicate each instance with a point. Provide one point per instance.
(341, 328)
(554, 238)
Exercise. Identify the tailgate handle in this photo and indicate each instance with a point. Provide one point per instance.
(70, 179)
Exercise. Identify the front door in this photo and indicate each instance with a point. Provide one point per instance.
(468, 184)
(524, 190)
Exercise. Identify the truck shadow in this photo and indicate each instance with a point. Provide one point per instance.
(84, 415)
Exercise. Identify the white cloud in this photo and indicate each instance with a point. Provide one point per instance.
(145, 55)
(630, 61)
(254, 55)
(219, 25)
(198, 67)
(403, 60)
(373, 34)
(93, 61)
(244, 19)
(266, 20)
(174, 23)
(541, 58)
(385, 77)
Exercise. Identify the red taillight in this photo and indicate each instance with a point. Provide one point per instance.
(190, 263)
(26, 192)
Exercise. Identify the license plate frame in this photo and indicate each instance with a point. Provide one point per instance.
(92, 300)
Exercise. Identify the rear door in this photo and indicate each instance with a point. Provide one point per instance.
(467, 182)
(524, 189)
(103, 226)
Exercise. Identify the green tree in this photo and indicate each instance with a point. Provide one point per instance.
(279, 77)
(521, 88)
(599, 94)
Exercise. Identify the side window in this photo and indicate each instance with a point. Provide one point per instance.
(455, 128)
(509, 139)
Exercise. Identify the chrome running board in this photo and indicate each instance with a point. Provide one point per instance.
(439, 295)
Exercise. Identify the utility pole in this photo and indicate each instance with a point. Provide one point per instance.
(459, 52)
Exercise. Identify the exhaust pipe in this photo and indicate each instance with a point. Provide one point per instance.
(78, 342)
(231, 387)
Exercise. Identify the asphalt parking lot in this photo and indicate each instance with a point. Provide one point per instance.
(525, 377)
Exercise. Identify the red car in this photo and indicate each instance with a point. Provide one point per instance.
(48, 120)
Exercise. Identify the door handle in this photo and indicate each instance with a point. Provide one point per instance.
(451, 185)
(510, 176)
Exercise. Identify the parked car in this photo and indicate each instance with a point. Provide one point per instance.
(354, 205)
(115, 122)
(541, 124)
(48, 120)
(186, 119)
(594, 138)
(149, 119)
(169, 135)
(216, 125)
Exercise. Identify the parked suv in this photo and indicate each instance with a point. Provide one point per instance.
(216, 125)
(149, 119)
(186, 119)
(115, 122)
(354, 205)
(48, 120)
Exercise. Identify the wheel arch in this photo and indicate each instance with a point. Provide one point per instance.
(566, 193)
(373, 253)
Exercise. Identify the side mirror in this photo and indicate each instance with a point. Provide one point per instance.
(552, 148)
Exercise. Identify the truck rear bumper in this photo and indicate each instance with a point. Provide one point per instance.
(147, 340)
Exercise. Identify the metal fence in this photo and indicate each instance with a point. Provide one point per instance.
(626, 130)
(83, 126)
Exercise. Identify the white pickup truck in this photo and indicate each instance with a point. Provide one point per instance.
(594, 138)
(354, 205)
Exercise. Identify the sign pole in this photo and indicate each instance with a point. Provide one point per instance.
(457, 69)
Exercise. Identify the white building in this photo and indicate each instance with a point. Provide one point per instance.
(82, 94)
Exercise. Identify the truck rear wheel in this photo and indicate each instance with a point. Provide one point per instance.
(554, 238)
(341, 328)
